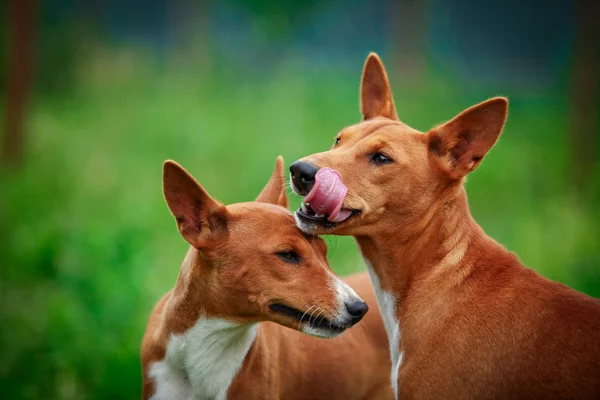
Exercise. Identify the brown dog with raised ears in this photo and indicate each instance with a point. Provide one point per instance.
(465, 319)
(250, 275)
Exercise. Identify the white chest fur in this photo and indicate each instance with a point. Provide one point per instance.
(202, 362)
(387, 306)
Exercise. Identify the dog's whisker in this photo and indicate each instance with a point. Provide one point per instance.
(300, 322)
(312, 314)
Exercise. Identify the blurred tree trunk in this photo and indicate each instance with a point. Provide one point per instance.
(21, 25)
(406, 20)
(190, 32)
(585, 92)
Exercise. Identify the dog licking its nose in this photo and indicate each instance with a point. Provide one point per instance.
(327, 195)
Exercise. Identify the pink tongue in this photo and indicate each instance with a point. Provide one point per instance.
(328, 194)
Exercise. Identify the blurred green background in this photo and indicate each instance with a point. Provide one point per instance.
(98, 94)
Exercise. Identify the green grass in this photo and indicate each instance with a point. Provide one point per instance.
(87, 244)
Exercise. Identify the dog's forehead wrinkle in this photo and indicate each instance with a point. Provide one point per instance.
(382, 130)
(263, 211)
(252, 221)
(372, 126)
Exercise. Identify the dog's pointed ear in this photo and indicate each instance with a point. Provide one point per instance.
(375, 93)
(274, 190)
(460, 144)
(199, 217)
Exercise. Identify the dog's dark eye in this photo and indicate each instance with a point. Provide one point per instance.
(380, 159)
(289, 256)
(337, 141)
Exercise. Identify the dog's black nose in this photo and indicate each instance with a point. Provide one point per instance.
(303, 176)
(357, 310)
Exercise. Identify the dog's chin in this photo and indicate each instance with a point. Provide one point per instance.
(304, 322)
(322, 333)
(320, 225)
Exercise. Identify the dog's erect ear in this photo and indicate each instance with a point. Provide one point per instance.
(199, 217)
(460, 144)
(274, 190)
(375, 94)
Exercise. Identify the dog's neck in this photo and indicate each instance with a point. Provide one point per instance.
(190, 297)
(438, 247)
(205, 359)
(418, 265)
(204, 353)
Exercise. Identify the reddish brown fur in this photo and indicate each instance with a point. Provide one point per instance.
(475, 323)
(227, 274)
